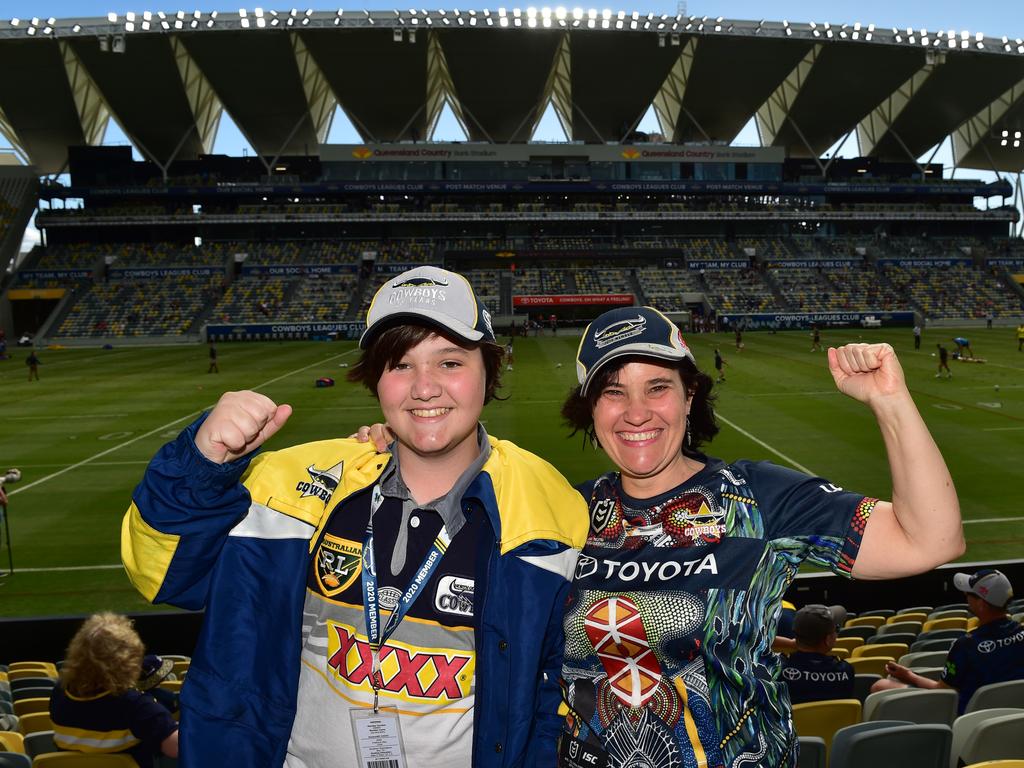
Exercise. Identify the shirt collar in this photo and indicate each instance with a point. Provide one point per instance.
(449, 506)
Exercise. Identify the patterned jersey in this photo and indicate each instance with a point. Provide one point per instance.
(428, 664)
(992, 653)
(672, 614)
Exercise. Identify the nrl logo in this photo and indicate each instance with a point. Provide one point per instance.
(619, 331)
(322, 482)
(601, 514)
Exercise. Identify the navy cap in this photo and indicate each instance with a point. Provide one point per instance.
(433, 295)
(634, 331)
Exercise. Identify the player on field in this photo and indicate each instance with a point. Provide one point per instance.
(368, 608)
(943, 362)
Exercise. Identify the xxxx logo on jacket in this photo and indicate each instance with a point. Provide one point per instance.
(337, 564)
(426, 675)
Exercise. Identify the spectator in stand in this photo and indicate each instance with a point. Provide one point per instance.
(992, 653)
(943, 362)
(96, 706)
(811, 673)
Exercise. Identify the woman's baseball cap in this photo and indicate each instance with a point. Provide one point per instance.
(433, 295)
(634, 331)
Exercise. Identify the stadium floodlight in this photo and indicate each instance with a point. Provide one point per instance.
(112, 17)
(560, 13)
(577, 13)
(129, 26)
(259, 13)
(242, 13)
(76, 28)
(47, 30)
(15, 21)
(618, 23)
(130, 16)
(179, 24)
(341, 12)
(261, 22)
(245, 23)
(531, 13)
(30, 31)
(166, 26)
(516, 12)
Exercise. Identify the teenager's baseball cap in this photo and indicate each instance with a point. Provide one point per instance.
(433, 295)
(813, 623)
(990, 585)
(154, 671)
(639, 331)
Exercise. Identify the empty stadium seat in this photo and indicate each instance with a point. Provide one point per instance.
(824, 718)
(82, 760)
(997, 764)
(912, 704)
(24, 707)
(906, 638)
(869, 664)
(14, 760)
(31, 693)
(873, 621)
(964, 725)
(917, 617)
(953, 622)
(813, 753)
(40, 743)
(994, 738)
(891, 628)
(923, 659)
(849, 643)
(932, 645)
(1008, 694)
(895, 746)
(37, 721)
(12, 742)
(864, 632)
(894, 650)
(32, 682)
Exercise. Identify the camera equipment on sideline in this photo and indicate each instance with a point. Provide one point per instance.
(10, 476)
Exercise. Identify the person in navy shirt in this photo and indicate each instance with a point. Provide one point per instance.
(992, 653)
(96, 707)
(811, 673)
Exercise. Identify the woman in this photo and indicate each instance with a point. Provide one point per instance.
(672, 613)
(96, 706)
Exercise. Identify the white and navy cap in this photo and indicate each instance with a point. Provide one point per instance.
(433, 295)
(990, 585)
(639, 331)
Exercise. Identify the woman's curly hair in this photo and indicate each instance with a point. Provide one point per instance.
(104, 656)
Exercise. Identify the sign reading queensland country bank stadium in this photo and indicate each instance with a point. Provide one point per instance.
(575, 300)
(523, 153)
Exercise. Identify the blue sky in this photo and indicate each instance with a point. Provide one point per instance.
(991, 17)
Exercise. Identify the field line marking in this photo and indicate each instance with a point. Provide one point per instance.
(78, 416)
(994, 520)
(59, 569)
(95, 464)
(1001, 429)
(151, 432)
(767, 447)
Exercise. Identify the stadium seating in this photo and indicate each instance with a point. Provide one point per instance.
(35, 722)
(11, 741)
(82, 760)
(964, 725)
(893, 746)
(824, 718)
(14, 760)
(869, 664)
(913, 705)
(40, 743)
(813, 753)
(994, 738)
(1007, 694)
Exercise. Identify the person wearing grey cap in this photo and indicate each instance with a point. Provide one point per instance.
(811, 673)
(364, 607)
(676, 595)
(991, 653)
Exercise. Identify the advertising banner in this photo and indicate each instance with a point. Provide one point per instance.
(147, 273)
(787, 321)
(285, 270)
(344, 329)
(575, 300)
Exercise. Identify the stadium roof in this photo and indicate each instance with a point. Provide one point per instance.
(167, 77)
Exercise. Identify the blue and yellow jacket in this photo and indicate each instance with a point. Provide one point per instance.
(236, 540)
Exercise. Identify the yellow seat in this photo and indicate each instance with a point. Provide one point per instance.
(972, 623)
(839, 653)
(12, 742)
(171, 685)
(849, 643)
(48, 666)
(869, 665)
(997, 764)
(180, 668)
(82, 760)
(895, 650)
(865, 621)
(37, 721)
(18, 674)
(899, 618)
(24, 707)
(824, 718)
(952, 622)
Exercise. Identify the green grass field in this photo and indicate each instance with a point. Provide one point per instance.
(83, 434)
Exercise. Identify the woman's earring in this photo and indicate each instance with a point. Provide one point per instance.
(688, 440)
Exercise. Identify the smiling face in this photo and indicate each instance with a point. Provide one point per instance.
(640, 421)
(432, 399)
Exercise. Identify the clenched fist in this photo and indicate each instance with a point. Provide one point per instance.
(239, 424)
(867, 372)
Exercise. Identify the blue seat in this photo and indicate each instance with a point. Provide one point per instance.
(14, 760)
(812, 752)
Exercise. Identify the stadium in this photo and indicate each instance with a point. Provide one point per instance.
(154, 254)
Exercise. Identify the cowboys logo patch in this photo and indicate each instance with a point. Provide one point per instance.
(619, 331)
(337, 564)
(322, 482)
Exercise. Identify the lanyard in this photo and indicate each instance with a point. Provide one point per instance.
(375, 635)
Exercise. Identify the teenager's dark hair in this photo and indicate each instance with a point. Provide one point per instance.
(390, 346)
(578, 410)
